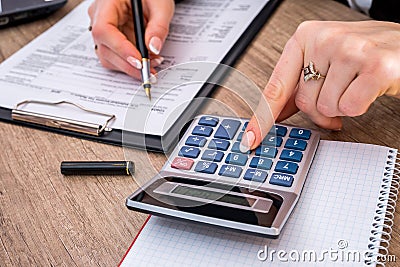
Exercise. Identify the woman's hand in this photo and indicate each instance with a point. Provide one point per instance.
(113, 33)
(360, 62)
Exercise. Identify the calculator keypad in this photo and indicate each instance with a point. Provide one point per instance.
(189, 152)
(236, 148)
(206, 167)
(219, 144)
(212, 147)
(281, 179)
(261, 163)
(266, 151)
(227, 129)
(202, 130)
(236, 159)
(208, 121)
(286, 167)
(255, 175)
(272, 140)
(182, 163)
(291, 155)
(198, 141)
(212, 155)
(230, 171)
(300, 134)
(296, 144)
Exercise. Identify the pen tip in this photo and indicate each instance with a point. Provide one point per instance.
(147, 90)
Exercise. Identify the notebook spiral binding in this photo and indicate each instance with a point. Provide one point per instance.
(384, 214)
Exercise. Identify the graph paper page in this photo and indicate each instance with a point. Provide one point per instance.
(332, 218)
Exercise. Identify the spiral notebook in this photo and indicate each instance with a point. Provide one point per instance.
(343, 217)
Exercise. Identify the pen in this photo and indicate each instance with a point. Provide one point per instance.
(97, 167)
(137, 13)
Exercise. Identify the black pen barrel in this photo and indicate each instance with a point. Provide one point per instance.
(97, 167)
(138, 20)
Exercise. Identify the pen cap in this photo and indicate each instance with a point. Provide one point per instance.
(97, 167)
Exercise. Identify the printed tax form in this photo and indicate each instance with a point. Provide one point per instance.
(61, 65)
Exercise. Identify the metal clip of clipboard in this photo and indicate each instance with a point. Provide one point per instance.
(62, 123)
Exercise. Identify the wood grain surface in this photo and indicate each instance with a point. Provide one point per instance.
(47, 219)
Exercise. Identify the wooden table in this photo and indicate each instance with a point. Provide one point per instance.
(49, 219)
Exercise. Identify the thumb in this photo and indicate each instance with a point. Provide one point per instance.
(280, 88)
(160, 13)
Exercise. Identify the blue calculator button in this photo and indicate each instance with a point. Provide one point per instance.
(272, 140)
(208, 121)
(300, 133)
(230, 171)
(237, 159)
(236, 148)
(266, 151)
(278, 130)
(206, 167)
(286, 167)
(202, 130)
(296, 144)
(261, 163)
(219, 144)
(189, 152)
(196, 141)
(291, 155)
(245, 125)
(281, 179)
(240, 136)
(255, 175)
(227, 129)
(212, 155)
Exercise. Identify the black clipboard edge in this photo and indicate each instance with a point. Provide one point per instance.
(154, 143)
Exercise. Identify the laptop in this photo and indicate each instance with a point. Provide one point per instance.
(18, 11)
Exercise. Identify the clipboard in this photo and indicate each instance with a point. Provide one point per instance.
(149, 142)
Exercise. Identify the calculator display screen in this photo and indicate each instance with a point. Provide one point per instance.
(210, 195)
(202, 198)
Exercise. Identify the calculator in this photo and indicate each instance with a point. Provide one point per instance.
(207, 178)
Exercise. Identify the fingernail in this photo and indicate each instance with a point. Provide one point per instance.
(153, 78)
(134, 62)
(158, 60)
(155, 45)
(247, 141)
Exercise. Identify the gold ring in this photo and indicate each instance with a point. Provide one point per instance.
(310, 73)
